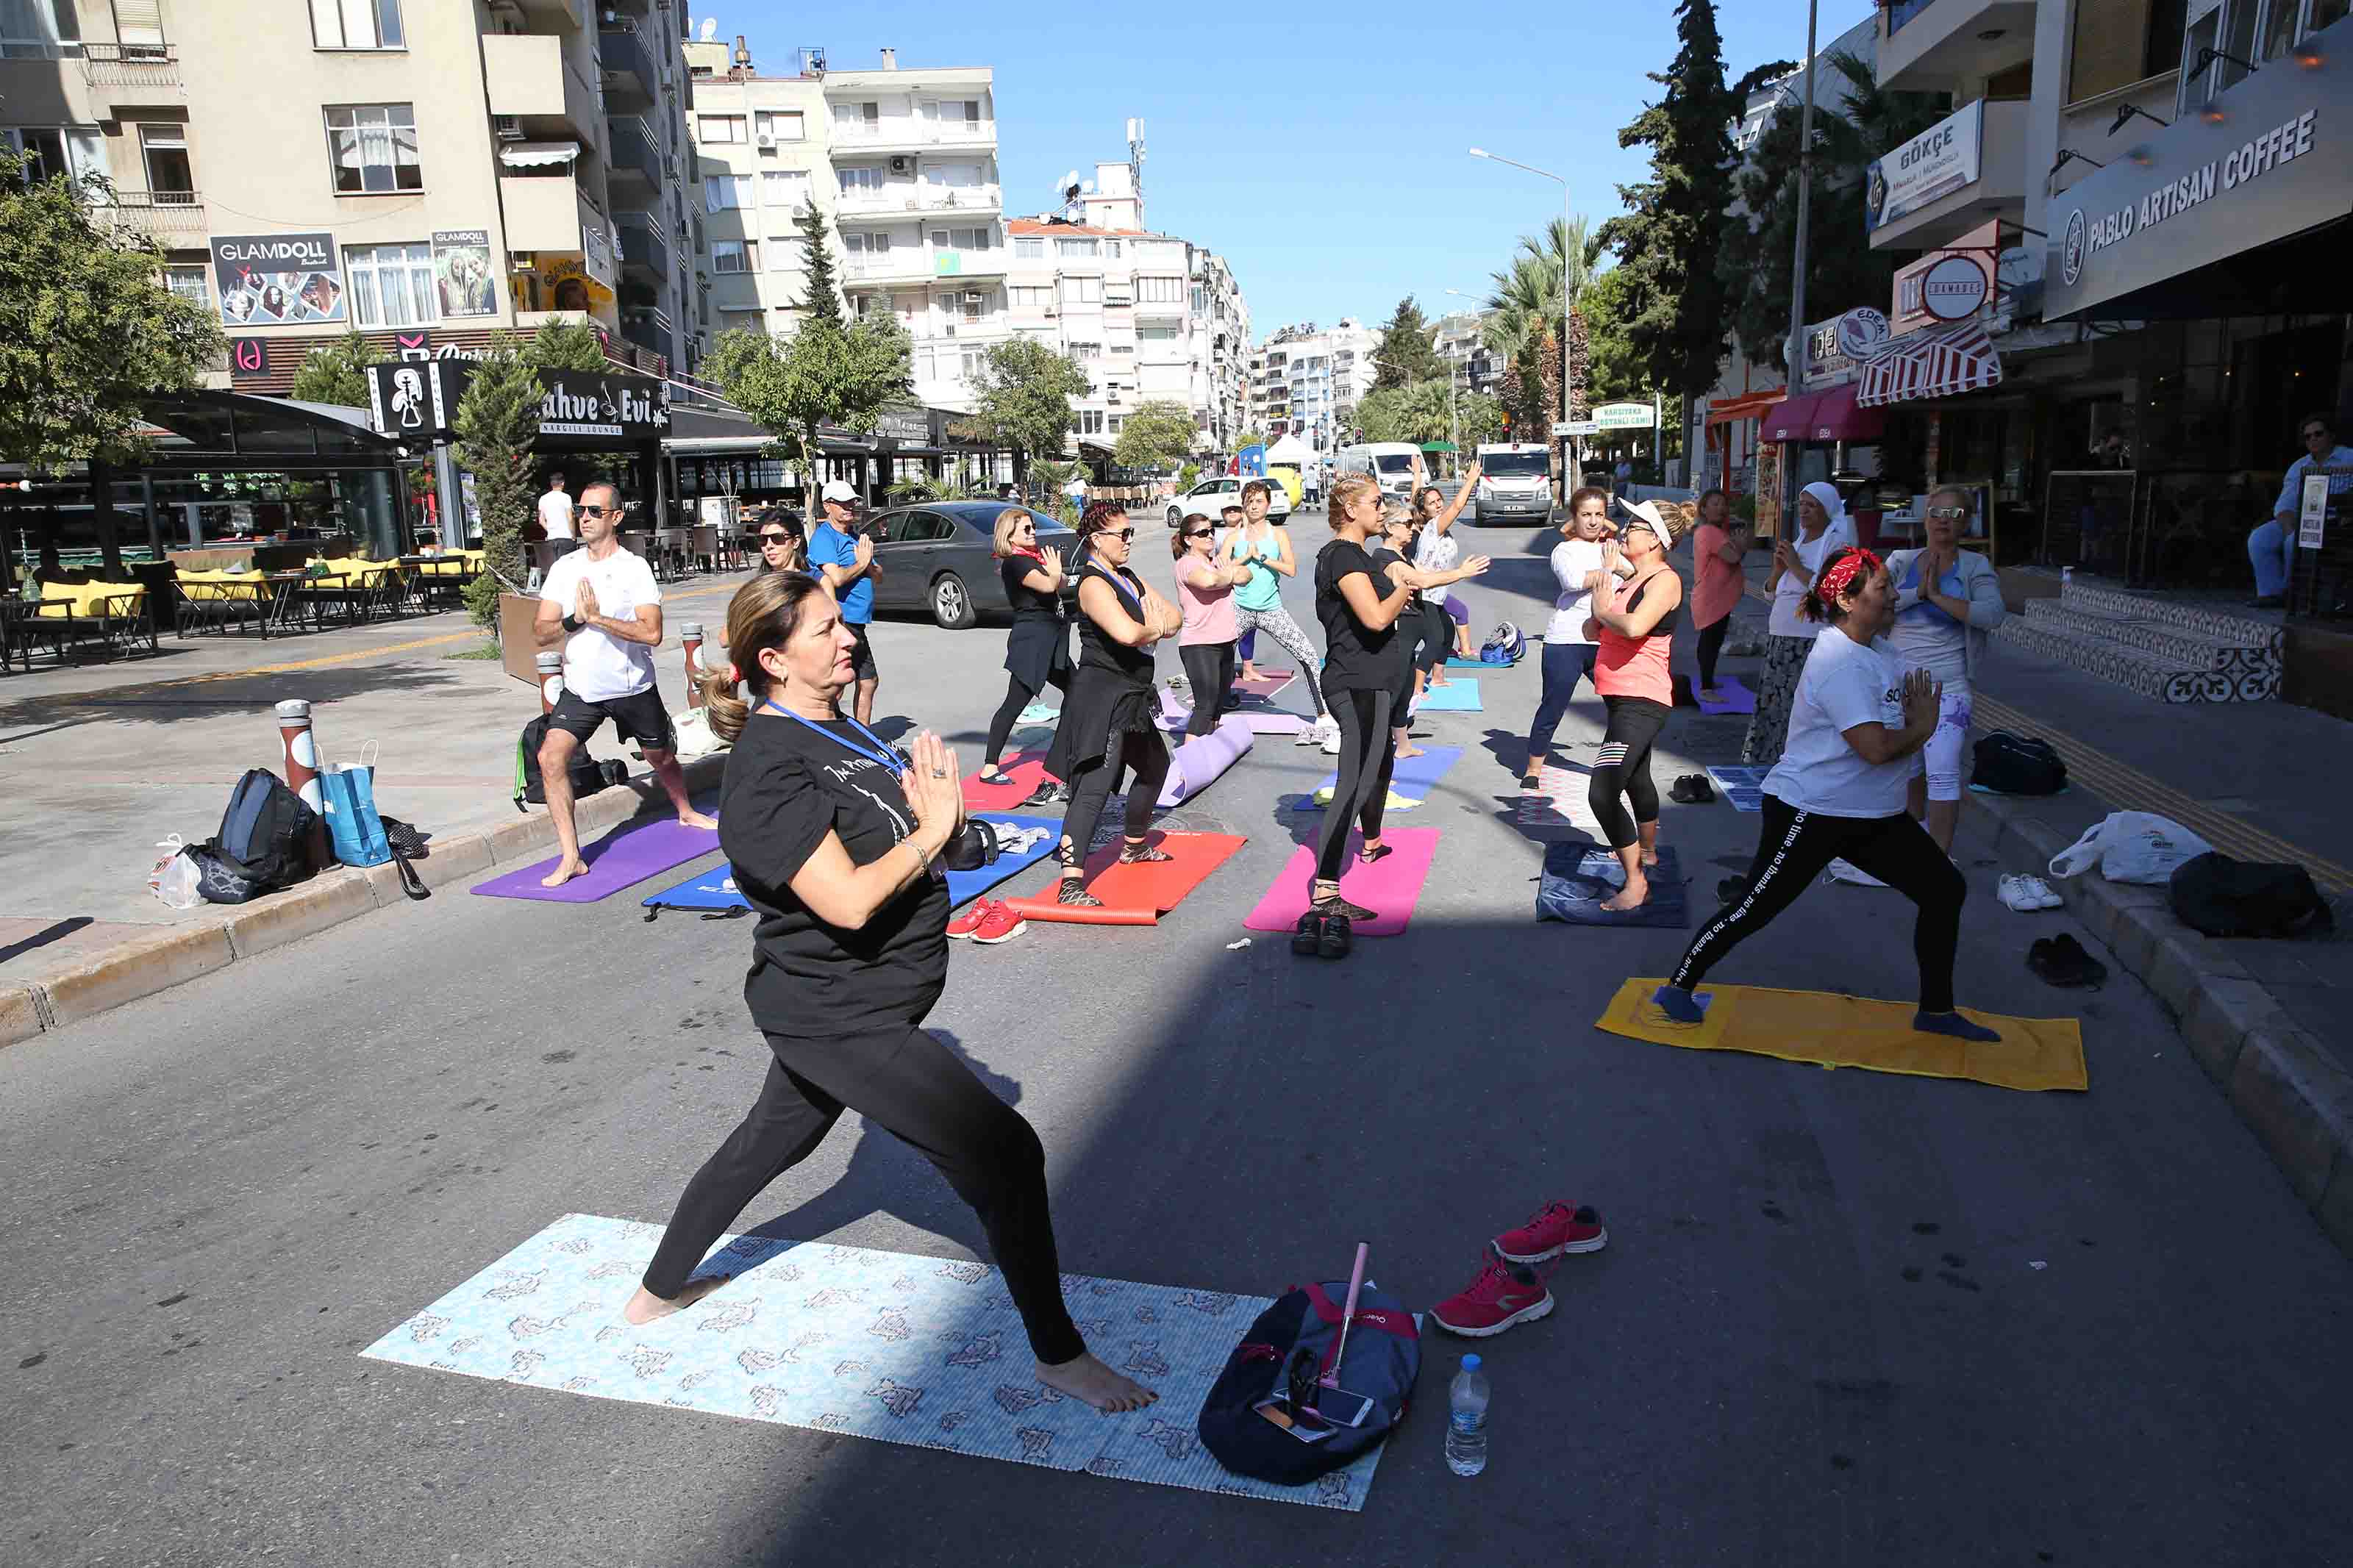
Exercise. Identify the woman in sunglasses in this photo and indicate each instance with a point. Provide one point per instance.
(780, 549)
(1205, 587)
(1948, 602)
(1634, 626)
(1038, 649)
(1107, 727)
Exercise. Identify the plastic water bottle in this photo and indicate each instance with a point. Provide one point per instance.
(1466, 1419)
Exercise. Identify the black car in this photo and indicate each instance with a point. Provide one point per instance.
(940, 557)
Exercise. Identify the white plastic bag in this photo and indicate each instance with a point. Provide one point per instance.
(694, 735)
(2131, 847)
(175, 879)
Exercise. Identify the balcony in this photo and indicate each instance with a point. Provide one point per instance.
(916, 263)
(2000, 190)
(631, 82)
(633, 172)
(132, 73)
(1939, 45)
(174, 219)
(526, 78)
(547, 212)
(908, 196)
(645, 253)
(567, 12)
(902, 132)
(648, 327)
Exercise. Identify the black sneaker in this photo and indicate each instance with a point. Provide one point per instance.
(1336, 938)
(2060, 961)
(1308, 939)
(1050, 793)
(1692, 789)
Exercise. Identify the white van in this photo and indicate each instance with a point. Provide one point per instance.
(1394, 465)
(1515, 484)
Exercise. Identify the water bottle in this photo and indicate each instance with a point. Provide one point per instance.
(1466, 1419)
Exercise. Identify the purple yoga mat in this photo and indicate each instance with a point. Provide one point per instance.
(1175, 714)
(1737, 698)
(626, 856)
(1199, 762)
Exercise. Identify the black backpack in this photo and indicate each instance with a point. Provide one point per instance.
(588, 774)
(2009, 763)
(1384, 1358)
(2221, 897)
(264, 843)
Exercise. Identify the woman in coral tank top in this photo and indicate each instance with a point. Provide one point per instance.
(1635, 625)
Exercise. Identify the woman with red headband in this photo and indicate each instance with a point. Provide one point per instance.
(1857, 721)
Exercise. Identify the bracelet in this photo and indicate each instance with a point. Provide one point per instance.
(573, 623)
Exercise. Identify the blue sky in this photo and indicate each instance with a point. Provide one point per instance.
(1321, 148)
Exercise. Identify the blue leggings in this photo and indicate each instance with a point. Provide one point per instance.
(1563, 663)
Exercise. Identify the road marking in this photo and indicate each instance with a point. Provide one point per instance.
(2128, 788)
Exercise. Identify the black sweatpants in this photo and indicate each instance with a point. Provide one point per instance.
(1623, 767)
(1367, 757)
(1144, 759)
(1000, 724)
(1711, 644)
(906, 1082)
(1209, 671)
(1437, 638)
(1792, 850)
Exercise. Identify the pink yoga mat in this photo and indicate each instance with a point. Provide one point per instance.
(1268, 683)
(1390, 888)
(626, 856)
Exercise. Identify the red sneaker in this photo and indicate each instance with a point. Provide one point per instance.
(1504, 1294)
(1554, 1229)
(969, 920)
(999, 924)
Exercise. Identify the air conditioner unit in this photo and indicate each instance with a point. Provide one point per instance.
(507, 127)
(767, 143)
(902, 165)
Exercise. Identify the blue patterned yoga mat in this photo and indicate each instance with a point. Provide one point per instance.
(923, 1351)
(1458, 696)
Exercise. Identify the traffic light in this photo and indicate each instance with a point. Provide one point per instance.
(1507, 423)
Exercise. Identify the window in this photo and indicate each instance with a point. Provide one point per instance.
(1157, 334)
(1081, 291)
(726, 192)
(1091, 422)
(1030, 249)
(952, 112)
(972, 304)
(165, 149)
(1086, 353)
(857, 119)
(975, 361)
(717, 130)
(38, 29)
(139, 29)
(784, 188)
(1160, 290)
(1118, 423)
(960, 238)
(875, 244)
(372, 148)
(1076, 249)
(1111, 250)
(356, 24)
(189, 283)
(1038, 297)
(783, 124)
(48, 152)
(1123, 348)
(392, 285)
(859, 179)
(733, 256)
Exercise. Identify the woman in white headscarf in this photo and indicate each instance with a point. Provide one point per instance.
(1823, 526)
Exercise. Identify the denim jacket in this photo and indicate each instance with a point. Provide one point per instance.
(1980, 586)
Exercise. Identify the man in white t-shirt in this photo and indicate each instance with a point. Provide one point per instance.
(601, 603)
(555, 514)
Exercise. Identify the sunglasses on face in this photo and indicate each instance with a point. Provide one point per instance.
(614, 510)
(776, 538)
(1949, 513)
(1121, 534)
(2315, 433)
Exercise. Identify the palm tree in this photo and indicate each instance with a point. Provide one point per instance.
(1528, 303)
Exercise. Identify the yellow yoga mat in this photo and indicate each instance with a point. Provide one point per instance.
(1851, 1032)
(1395, 802)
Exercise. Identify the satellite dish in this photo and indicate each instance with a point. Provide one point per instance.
(710, 28)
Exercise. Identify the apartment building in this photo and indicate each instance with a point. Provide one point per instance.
(1460, 338)
(1220, 329)
(1307, 381)
(762, 145)
(385, 165)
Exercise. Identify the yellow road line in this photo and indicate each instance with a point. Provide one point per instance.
(2128, 788)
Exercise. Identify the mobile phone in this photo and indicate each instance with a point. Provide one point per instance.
(1340, 1406)
(1307, 1428)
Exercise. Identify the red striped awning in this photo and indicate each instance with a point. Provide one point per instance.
(1937, 362)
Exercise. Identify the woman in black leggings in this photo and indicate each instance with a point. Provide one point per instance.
(1108, 725)
(834, 838)
(1359, 599)
(1857, 723)
(1038, 648)
(1205, 587)
(1634, 624)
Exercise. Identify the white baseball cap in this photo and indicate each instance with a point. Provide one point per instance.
(840, 490)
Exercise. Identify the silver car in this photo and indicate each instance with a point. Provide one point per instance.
(939, 557)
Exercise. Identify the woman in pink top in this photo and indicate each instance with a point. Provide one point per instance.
(1716, 549)
(1636, 630)
(1205, 590)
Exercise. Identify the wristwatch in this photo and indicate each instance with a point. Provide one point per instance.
(573, 623)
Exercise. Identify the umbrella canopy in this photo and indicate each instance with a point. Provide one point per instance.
(1290, 451)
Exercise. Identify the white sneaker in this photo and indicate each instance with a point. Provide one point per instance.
(2026, 894)
(1839, 872)
(1327, 735)
(1309, 734)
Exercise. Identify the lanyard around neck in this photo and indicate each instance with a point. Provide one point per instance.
(884, 754)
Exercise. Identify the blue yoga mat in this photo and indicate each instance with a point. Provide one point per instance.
(1416, 776)
(1456, 697)
(716, 888)
(1453, 663)
(1578, 878)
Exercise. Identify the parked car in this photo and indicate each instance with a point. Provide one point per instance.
(939, 557)
(1515, 484)
(1212, 496)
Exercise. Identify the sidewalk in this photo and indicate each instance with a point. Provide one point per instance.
(2270, 1021)
(98, 763)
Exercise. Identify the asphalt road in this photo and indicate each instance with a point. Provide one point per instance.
(1844, 1318)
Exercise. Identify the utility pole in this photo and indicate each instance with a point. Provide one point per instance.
(1797, 349)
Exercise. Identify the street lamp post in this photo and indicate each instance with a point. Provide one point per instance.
(1797, 349)
(1567, 305)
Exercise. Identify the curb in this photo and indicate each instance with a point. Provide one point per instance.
(174, 954)
(2286, 1085)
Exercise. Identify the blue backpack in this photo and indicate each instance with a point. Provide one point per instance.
(1384, 1358)
(1504, 645)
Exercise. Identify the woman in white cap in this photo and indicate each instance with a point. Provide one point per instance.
(1822, 526)
(1633, 627)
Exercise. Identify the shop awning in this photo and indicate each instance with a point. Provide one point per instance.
(537, 154)
(1828, 415)
(1748, 405)
(1939, 362)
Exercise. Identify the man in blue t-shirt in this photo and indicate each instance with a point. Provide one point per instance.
(2271, 548)
(845, 559)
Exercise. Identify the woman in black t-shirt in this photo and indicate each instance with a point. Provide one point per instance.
(835, 836)
(1038, 648)
(1108, 719)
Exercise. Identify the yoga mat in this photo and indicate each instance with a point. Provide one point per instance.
(1267, 683)
(1038, 713)
(1390, 888)
(1202, 760)
(1562, 802)
(1455, 696)
(1737, 698)
(1176, 713)
(1415, 776)
(1136, 895)
(927, 1351)
(1026, 771)
(1454, 663)
(1576, 879)
(1395, 802)
(1743, 786)
(716, 889)
(1848, 1031)
(627, 854)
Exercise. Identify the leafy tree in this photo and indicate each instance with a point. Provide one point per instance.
(566, 345)
(924, 488)
(1547, 277)
(1022, 400)
(1419, 413)
(1615, 370)
(823, 300)
(496, 422)
(1158, 433)
(825, 374)
(1854, 122)
(1253, 436)
(1405, 354)
(337, 373)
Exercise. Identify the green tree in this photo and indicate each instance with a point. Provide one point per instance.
(337, 373)
(822, 300)
(1157, 433)
(1855, 121)
(1253, 436)
(824, 374)
(87, 329)
(1546, 280)
(1022, 398)
(1405, 354)
(496, 422)
(1421, 413)
(566, 345)
(1615, 370)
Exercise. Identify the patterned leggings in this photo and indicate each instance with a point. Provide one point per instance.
(1768, 727)
(1277, 624)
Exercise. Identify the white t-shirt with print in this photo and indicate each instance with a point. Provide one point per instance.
(1573, 561)
(555, 514)
(598, 664)
(1788, 593)
(1845, 683)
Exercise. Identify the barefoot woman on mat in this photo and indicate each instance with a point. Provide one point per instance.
(1857, 721)
(835, 838)
(1358, 600)
(1634, 626)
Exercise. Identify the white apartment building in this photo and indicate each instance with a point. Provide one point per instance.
(761, 142)
(1307, 381)
(1220, 334)
(1460, 338)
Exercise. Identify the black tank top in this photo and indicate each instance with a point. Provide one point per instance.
(1098, 651)
(1666, 626)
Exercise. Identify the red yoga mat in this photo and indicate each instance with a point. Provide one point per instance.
(1136, 895)
(1026, 771)
(1390, 886)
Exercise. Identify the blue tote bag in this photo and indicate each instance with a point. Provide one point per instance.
(353, 822)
